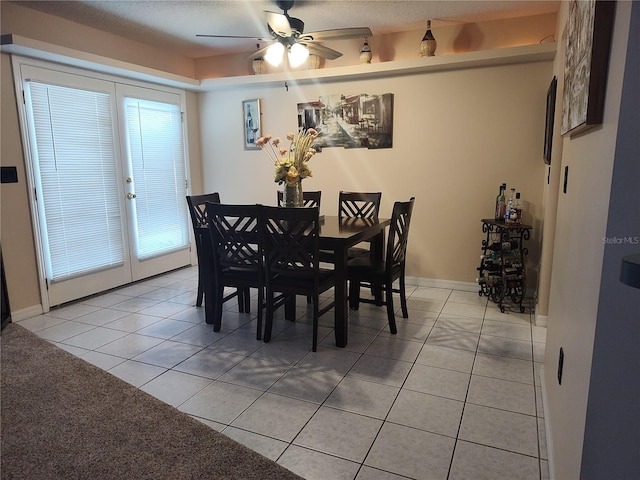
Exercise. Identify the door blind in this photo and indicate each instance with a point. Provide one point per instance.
(75, 153)
(156, 153)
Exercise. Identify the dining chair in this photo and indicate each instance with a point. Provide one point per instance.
(359, 205)
(355, 205)
(309, 199)
(237, 256)
(380, 274)
(292, 264)
(197, 211)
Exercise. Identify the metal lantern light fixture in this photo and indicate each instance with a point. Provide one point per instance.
(428, 44)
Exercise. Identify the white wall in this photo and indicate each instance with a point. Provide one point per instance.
(457, 136)
(576, 289)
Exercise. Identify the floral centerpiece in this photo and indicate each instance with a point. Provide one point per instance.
(292, 163)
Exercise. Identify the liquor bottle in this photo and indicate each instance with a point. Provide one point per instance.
(515, 216)
(512, 199)
(500, 203)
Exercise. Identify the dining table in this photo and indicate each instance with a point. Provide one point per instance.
(337, 235)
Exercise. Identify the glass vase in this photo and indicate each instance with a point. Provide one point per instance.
(292, 194)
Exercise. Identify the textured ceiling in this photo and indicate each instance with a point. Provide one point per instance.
(174, 24)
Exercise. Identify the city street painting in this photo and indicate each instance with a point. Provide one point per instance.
(350, 121)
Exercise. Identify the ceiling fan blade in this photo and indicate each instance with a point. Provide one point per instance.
(263, 39)
(279, 24)
(322, 51)
(339, 34)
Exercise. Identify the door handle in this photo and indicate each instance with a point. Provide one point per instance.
(131, 196)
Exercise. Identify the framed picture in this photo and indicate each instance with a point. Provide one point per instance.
(252, 123)
(588, 32)
(548, 127)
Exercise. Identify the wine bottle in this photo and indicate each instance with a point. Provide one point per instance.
(501, 246)
(500, 203)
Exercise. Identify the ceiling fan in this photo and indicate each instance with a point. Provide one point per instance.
(288, 33)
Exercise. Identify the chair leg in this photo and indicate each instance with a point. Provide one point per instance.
(268, 323)
(246, 295)
(403, 297)
(202, 281)
(200, 295)
(354, 294)
(217, 318)
(290, 308)
(314, 344)
(390, 315)
(260, 305)
(240, 300)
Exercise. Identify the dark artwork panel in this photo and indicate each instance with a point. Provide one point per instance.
(350, 121)
(589, 29)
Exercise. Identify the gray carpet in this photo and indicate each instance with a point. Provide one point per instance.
(63, 418)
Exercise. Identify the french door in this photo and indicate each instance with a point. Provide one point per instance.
(107, 171)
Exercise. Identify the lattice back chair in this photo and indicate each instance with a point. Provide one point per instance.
(198, 214)
(360, 205)
(291, 243)
(237, 256)
(309, 199)
(366, 270)
(356, 205)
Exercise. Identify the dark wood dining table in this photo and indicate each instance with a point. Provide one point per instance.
(337, 236)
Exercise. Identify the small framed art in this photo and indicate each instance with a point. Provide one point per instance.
(252, 123)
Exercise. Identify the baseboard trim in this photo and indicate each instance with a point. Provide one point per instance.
(436, 283)
(547, 425)
(541, 320)
(25, 313)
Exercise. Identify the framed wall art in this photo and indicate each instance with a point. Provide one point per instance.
(350, 121)
(548, 127)
(588, 41)
(252, 123)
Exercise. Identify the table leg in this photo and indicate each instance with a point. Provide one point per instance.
(341, 306)
(377, 252)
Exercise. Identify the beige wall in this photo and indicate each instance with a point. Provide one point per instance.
(578, 261)
(18, 250)
(457, 136)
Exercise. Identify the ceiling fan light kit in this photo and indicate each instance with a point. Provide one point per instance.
(297, 54)
(274, 54)
(288, 34)
(428, 44)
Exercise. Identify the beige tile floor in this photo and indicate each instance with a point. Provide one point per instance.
(454, 395)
